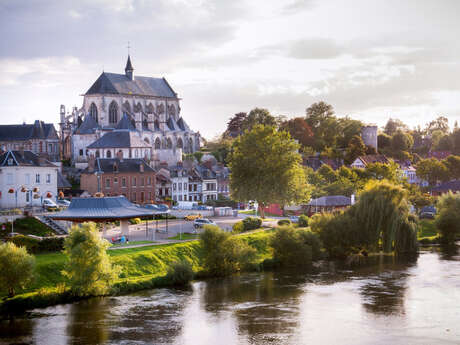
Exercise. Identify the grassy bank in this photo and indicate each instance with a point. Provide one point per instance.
(142, 268)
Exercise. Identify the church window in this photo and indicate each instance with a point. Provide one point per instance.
(180, 144)
(169, 143)
(149, 108)
(190, 144)
(172, 110)
(126, 107)
(157, 143)
(113, 113)
(81, 152)
(137, 107)
(109, 154)
(93, 111)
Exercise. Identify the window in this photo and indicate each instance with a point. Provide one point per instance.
(109, 154)
(123, 182)
(80, 152)
(48, 178)
(180, 186)
(93, 111)
(180, 197)
(115, 180)
(134, 197)
(136, 153)
(134, 182)
(10, 161)
(113, 113)
(195, 187)
(142, 196)
(97, 154)
(9, 178)
(142, 182)
(27, 178)
(149, 181)
(107, 183)
(37, 178)
(185, 186)
(150, 195)
(28, 196)
(174, 186)
(34, 147)
(175, 198)
(41, 146)
(50, 147)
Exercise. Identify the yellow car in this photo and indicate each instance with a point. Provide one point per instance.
(192, 217)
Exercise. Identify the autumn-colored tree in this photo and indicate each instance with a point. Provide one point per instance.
(355, 149)
(299, 130)
(235, 125)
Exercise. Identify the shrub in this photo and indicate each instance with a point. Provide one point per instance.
(222, 253)
(52, 244)
(303, 221)
(238, 227)
(135, 221)
(283, 222)
(448, 218)
(35, 246)
(251, 223)
(16, 267)
(88, 270)
(293, 247)
(180, 273)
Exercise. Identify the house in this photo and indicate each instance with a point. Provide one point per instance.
(195, 185)
(328, 204)
(209, 183)
(163, 183)
(451, 186)
(179, 180)
(362, 161)
(316, 162)
(132, 178)
(26, 179)
(223, 179)
(439, 155)
(40, 138)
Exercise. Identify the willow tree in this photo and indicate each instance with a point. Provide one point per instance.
(265, 166)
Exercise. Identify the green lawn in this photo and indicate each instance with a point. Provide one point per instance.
(184, 236)
(28, 226)
(117, 245)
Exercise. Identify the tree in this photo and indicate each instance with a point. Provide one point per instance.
(445, 143)
(432, 171)
(320, 117)
(401, 141)
(258, 116)
(383, 141)
(440, 124)
(348, 128)
(265, 166)
(299, 130)
(452, 164)
(327, 173)
(17, 267)
(380, 171)
(448, 218)
(456, 141)
(355, 149)
(235, 125)
(394, 125)
(88, 270)
(294, 247)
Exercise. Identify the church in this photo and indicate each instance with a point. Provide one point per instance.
(127, 116)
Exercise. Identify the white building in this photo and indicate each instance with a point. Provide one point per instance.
(180, 181)
(26, 179)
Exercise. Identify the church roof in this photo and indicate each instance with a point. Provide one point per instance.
(118, 138)
(113, 83)
(125, 123)
(38, 130)
(88, 126)
(183, 125)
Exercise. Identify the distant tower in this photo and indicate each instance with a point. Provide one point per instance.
(369, 135)
(129, 69)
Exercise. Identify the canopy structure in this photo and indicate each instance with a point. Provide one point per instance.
(104, 209)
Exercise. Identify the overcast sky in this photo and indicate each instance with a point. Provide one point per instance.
(369, 59)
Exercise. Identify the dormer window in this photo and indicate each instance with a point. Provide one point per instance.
(10, 161)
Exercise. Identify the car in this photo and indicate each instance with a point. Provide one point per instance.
(200, 222)
(294, 219)
(49, 204)
(427, 212)
(192, 216)
(13, 234)
(63, 203)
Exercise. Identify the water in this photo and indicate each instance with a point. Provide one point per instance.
(386, 302)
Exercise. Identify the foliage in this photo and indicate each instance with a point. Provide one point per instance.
(180, 273)
(293, 247)
(383, 141)
(235, 124)
(17, 267)
(380, 171)
(401, 141)
(303, 221)
(222, 253)
(326, 172)
(394, 125)
(135, 221)
(251, 223)
(355, 149)
(34, 245)
(265, 166)
(198, 155)
(88, 270)
(238, 227)
(432, 171)
(258, 116)
(440, 124)
(448, 217)
(320, 118)
(452, 164)
(283, 222)
(30, 226)
(299, 130)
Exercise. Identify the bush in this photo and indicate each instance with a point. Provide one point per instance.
(135, 221)
(448, 218)
(16, 267)
(251, 223)
(52, 244)
(222, 253)
(303, 221)
(180, 273)
(293, 247)
(283, 222)
(36, 246)
(238, 227)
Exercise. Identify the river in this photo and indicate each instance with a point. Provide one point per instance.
(388, 301)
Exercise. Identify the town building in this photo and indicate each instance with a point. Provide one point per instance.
(223, 179)
(149, 105)
(209, 183)
(446, 187)
(164, 184)
(195, 185)
(40, 138)
(26, 179)
(179, 180)
(328, 203)
(362, 161)
(132, 178)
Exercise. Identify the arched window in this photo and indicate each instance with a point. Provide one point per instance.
(113, 113)
(168, 143)
(149, 108)
(145, 122)
(190, 144)
(93, 111)
(172, 110)
(157, 143)
(97, 154)
(109, 154)
(180, 144)
(126, 107)
(120, 154)
(137, 107)
(147, 141)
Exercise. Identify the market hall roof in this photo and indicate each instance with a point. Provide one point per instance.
(119, 138)
(102, 209)
(113, 83)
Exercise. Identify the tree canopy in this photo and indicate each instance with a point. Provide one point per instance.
(16, 267)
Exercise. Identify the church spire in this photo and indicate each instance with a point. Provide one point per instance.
(129, 69)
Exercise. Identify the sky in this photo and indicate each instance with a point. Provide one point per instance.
(369, 59)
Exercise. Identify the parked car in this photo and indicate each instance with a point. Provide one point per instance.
(200, 222)
(192, 216)
(63, 203)
(294, 219)
(49, 204)
(427, 212)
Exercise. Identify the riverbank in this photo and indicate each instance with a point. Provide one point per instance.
(141, 268)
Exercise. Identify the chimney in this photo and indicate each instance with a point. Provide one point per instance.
(91, 163)
(141, 167)
(120, 156)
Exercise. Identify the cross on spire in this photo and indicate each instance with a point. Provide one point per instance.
(128, 47)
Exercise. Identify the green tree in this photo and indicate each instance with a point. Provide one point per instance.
(292, 247)
(383, 141)
(355, 149)
(265, 166)
(432, 171)
(456, 141)
(88, 269)
(401, 141)
(448, 217)
(235, 125)
(327, 173)
(440, 124)
(394, 125)
(348, 129)
(445, 143)
(321, 119)
(380, 171)
(17, 267)
(452, 164)
(258, 116)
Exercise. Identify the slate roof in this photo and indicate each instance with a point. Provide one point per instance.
(368, 159)
(88, 126)
(129, 66)
(123, 166)
(62, 182)
(183, 125)
(113, 83)
(25, 158)
(453, 185)
(331, 200)
(119, 138)
(125, 123)
(102, 209)
(38, 130)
